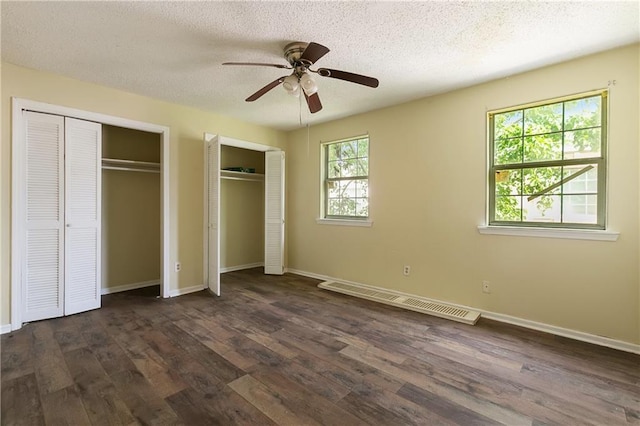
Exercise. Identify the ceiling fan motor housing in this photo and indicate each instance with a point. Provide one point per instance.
(293, 52)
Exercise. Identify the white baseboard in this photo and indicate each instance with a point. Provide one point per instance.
(126, 287)
(521, 322)
(241, 267)
(186, 290)
(5, 328)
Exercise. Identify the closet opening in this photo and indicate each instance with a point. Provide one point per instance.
(244, 208)
(131, 213)
(241, 209)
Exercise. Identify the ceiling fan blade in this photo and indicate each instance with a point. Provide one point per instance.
(314, 103)
(348, 76)
(265, 89)
(313, 52)
(259, 64)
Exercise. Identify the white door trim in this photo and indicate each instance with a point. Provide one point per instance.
(17, 187)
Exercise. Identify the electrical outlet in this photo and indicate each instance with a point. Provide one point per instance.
(485, 287)
(406, 271)
(177, 266)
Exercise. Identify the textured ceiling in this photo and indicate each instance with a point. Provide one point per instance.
(174, 50)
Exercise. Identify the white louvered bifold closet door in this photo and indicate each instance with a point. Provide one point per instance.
(213, 182)
(274, 213)
(41, 263)
(83, 140)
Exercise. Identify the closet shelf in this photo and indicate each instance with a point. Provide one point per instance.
(253, 177)
(130, 165)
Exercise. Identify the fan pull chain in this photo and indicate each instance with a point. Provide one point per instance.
(300, 108)
(307, 140)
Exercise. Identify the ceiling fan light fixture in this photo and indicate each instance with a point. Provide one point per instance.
(291, 84)
(295, 92)
(308, 84)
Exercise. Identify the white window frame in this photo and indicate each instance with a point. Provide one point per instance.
(340, 220)
(552, 230)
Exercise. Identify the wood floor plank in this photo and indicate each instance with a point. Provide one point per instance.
(225, 408)
(164, 379)
(303, 399)
(217, 342)
(67, 334)
(308, 379)
(488, 409)
(442, 406)
(190, 407)
(17, 357)
(216, 364)
(379, 405)
(144, 403)
(21, 402)
(99, 396)
(190, 370)
(268, 402)
(64, 407)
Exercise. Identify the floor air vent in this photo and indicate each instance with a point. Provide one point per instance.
(424, 306)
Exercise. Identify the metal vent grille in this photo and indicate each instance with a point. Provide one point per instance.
(425, 306)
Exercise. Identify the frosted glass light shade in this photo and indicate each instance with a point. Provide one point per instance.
(290, 83)
(295, 92)
(308, 84)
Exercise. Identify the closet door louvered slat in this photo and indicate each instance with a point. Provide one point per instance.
(42, 260)
(82, 215)
(274, 213)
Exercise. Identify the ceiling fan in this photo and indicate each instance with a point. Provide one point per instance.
(301, 56)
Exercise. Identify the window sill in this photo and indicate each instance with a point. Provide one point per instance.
(345, 222)
(571, 234)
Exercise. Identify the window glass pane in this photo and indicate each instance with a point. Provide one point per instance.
(363, 148)
(507, 125)
(584, 183)
(349, 149)
(350, 167)
(583, 143)
(348, 188)
(546, 208)
(341, 207)
(508, 151)
(543, 147)
(333, 189)
(362, 168)
(333, 169)
(508, 182)
(538, 179)
(362, 187)
(334, 151)
(362, 207)
(582, 113)
(580, 209)
(508, 208)
(543, 119)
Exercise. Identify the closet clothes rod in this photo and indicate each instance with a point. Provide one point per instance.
(130, 165)
(130, 169)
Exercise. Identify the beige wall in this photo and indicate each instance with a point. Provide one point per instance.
(131, 225)
(428, 189)
(186, 157)
(241, 210)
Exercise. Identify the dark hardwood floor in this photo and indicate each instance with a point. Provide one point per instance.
(277, 350)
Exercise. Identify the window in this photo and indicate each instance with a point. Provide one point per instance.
(547, 164)
(346, 179)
